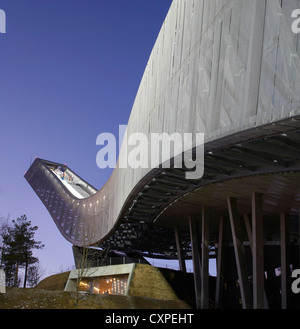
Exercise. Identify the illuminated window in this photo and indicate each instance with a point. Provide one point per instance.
(112, 285)
(85, 285)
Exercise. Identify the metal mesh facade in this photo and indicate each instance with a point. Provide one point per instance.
(229, 69)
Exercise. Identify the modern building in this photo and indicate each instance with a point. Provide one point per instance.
(126, 280)
(112, 279)
(230, 70)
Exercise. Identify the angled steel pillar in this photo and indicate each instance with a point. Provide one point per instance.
(220, 263)
(180, 256)
(248, 228)
(249, 233)
(285, 264)
(258, 252)
(239, 254)
(205, 260)
(194, 233)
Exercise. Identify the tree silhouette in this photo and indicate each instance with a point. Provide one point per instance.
(18, 245)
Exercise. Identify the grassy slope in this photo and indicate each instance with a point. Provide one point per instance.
(149, 290)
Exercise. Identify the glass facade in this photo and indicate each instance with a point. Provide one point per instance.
(111, 285)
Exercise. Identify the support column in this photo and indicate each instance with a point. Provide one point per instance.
(220, 263)
(257, 252)
(239, 254)
(205, 260)
(248, 228)
(285, 264)
(196, 259)
(180, 256)
(249, 233)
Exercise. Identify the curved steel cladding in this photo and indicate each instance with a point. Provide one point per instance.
(82, 221)
(228, 69)
(66, 209)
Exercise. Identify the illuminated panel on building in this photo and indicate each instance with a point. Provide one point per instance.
(111, 285)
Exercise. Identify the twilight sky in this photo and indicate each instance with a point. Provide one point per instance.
(70, 70)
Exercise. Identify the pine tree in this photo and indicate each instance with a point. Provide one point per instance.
(34, 275)
(18, 247)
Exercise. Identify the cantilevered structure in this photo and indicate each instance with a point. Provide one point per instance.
(229, 69)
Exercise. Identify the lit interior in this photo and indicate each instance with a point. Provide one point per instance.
(111, 285)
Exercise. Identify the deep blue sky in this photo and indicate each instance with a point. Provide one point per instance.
(70, 70)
